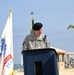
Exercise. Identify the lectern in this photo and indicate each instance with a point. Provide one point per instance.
(40, 62)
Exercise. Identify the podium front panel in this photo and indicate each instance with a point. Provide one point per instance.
(40, 62)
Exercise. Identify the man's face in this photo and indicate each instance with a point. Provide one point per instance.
(38, 32)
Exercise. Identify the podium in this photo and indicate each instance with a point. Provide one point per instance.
(40, 62)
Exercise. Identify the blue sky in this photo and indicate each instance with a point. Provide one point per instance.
(55, 15)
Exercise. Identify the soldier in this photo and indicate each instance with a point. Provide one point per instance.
(36, 40)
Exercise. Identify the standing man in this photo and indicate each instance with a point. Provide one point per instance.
(36, 40)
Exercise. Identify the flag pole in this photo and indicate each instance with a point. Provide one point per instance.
(10, 6)
(32, 13)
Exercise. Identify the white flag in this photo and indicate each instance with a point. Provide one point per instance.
(6, 48)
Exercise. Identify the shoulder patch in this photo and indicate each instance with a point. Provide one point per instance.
(25, 40)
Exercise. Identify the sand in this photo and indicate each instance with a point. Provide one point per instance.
(67, 72)
(62, 72)
(18, 73)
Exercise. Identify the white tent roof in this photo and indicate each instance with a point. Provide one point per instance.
(70, 53)
(59, 50)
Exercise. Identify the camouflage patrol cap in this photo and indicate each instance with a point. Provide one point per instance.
(37, 26)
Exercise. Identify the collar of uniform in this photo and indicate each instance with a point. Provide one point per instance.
(39, 37)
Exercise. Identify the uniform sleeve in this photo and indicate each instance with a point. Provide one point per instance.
(25, 44)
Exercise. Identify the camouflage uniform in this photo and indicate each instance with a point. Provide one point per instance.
(33, 42)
